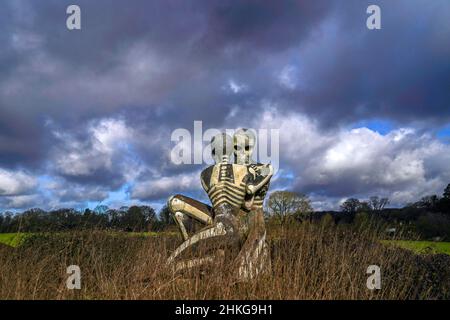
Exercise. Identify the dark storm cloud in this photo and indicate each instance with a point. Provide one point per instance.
(189, 28)
(149, 67)
(401, 72)
(202, 44)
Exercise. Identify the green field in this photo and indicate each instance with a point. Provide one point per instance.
(16, 239)
(421, 247)
(13, 239)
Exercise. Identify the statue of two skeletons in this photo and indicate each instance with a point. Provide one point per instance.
(235, 221)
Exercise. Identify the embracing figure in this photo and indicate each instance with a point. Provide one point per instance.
(235, 217)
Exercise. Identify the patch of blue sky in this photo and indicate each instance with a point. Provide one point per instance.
(444, 134)
(286, 174)
(120, 196)
(381, 126)
(44, 181)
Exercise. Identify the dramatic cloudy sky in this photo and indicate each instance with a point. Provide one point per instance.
(86, 116)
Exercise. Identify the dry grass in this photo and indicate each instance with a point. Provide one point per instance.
(309, 261)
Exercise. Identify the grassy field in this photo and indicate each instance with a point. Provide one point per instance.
(17, 239)
(421, 247)
(13, 239)
(309, 261)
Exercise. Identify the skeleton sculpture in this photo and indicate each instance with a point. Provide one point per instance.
(236, 192)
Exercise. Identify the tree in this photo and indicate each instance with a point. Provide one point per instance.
(7, 222)
(165, 217)
(377, 204)
(351, 206)
(428, 202)
(113, 216)
(286, 204)
(134, 219)
(434, 225)
(364, 207)
(444, 203)
(446, 194)
(101, 209)
(150, 216)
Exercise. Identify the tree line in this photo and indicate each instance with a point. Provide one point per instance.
(430, 216)
(131, 219)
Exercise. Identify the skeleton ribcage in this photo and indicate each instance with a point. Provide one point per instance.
(227, 192)
(225, 183)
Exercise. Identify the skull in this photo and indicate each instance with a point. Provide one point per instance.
(221, 147)
(244, 142)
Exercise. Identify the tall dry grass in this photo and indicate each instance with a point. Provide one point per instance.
(309, 261)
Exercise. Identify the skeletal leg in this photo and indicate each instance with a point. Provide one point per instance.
(179, 220)
(182, 207)
(225, 226)
(217, 230)
(254, 257)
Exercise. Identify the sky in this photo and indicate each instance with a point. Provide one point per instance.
(86, 116)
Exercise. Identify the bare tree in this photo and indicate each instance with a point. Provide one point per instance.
(286, 204)
(377, 204)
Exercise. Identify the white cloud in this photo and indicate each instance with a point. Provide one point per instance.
(18, 189)
(234, 87)
(288, 77)
(63, 192)
(16, 183)
(106, 138)
(403, 164)
(23, 201)
(164, 186)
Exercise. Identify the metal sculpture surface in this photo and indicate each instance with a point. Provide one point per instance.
(235, 220)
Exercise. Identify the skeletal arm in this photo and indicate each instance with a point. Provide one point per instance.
(252, 188)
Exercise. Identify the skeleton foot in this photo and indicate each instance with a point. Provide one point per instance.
(217, 230)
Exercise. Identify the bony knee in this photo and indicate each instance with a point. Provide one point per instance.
(179, 215)
(175, 204)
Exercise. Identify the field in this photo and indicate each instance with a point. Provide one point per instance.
(17, 239)
(309, 261)
(422, 247)
(13, 239)
(419, 247)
